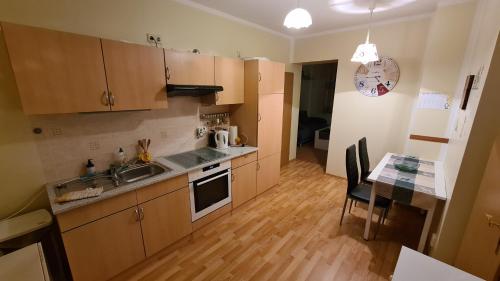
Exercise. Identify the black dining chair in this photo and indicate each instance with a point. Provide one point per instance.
(364, 161)
(360, 191)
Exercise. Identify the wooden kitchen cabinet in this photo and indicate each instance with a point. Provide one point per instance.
(56, 72)
(229, 73)
(103, 248)
(165, 220)
(135, 76)
(260, 117)
(183, 68)
(268, 172)
(271, 77)
(270, 124)
(244, 184)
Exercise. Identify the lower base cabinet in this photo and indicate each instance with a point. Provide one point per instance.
(165, 220)
(101, 249)
(244, 183)
(268, 172)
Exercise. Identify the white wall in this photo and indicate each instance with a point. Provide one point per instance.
(470, 141)
(383, 120)
(181, 27)
(446, 44)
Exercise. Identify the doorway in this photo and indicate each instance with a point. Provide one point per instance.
(317, 94)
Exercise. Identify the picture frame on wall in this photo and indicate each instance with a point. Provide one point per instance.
(467, 89)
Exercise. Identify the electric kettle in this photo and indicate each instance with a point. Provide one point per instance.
(222, 139)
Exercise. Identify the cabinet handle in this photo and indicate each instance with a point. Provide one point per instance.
(137, 215)
(232, 177)
(111, 99)
(260, 77)
(168, 73)
(258, 166)
(105, 98)
(141, 213)
(259, 117)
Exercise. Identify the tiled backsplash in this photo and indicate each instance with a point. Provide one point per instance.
(68, 140)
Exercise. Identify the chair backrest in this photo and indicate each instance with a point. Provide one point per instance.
(364, 161)
(351, 167)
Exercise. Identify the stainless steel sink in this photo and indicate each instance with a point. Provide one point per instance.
(142, 171)
(106, 181)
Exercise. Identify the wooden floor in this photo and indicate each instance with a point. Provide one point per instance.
(290, 232)
(308, 153)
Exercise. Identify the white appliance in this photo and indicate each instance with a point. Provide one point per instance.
(209, 189)
(222, 139)
(233, 134)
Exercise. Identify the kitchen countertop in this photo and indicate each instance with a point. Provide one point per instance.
(58, 208)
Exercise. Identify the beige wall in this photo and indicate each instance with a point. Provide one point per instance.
(446, 44)
(181, 27)
(383, 120)
(470, 141)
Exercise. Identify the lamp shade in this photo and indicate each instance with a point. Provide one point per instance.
(365, 53)
(298, 18)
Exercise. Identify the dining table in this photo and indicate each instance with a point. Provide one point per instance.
(421, 187)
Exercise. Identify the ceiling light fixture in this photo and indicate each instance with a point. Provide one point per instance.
(366, 52)
(298, 18)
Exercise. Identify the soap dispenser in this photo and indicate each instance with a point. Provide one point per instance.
(90, 168)
(120, 157)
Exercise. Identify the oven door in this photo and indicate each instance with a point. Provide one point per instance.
(210, 193)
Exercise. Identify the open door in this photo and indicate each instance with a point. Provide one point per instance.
(287, 119)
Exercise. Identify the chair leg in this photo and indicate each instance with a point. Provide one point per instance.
(380, 215)
(386, 211)
(350, 206)
(343, 210)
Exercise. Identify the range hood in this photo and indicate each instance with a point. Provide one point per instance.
(192, 90)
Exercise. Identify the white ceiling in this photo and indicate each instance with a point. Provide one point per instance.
(327, 15)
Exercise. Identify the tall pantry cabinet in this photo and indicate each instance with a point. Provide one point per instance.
(260, 117)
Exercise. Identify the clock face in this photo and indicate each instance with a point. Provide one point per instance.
(377, 78)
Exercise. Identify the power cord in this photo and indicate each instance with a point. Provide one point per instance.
(25, 206)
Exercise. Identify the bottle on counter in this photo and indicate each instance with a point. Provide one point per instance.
(90, 168)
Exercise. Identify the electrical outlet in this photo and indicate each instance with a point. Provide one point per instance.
(56, 132)
(201, 131)
(94, 145)
(153, 38)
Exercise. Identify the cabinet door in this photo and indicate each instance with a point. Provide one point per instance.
(135, 75)
(229, 73)
(166, 219)
(244, 185)
(56, 72)
(103, 248)
(268, 172)
(271, 77)
(270, 123)
(189, 69)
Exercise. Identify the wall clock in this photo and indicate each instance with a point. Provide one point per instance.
(377, 78)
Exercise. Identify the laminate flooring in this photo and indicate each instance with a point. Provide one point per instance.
(290, 232)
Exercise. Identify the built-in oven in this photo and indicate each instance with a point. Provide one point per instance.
(209, 188)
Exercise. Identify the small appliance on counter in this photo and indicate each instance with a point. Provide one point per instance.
(233, 135)
(222, 139)
(218, 139)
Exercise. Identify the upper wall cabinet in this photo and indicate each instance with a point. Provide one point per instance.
(184, 68)
(56, 72)
(271, 77)
(135, 75)
(229, 73)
